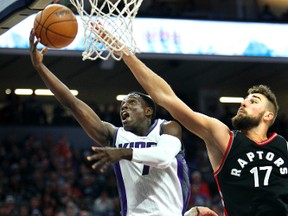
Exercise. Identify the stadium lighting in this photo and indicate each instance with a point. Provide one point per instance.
(120, 97)
(47, 92)
(231, 99)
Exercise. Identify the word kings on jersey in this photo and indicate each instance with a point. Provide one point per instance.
(140, 144)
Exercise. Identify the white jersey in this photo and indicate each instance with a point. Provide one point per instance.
(150, 191)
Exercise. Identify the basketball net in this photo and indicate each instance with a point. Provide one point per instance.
(116, 17)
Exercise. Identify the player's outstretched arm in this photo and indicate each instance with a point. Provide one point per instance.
(87, 118)
(153, 84)
(60, 90)
(215, 134)
(162, 93)
(150, 81)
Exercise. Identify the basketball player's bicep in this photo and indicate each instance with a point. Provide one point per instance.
(219, 135)
(91, 123)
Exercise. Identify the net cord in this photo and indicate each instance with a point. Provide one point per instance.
(116, 19)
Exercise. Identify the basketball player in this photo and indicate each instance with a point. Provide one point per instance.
(250, 165)
(152, 174)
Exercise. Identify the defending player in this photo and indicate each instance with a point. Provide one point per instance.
(250, 166)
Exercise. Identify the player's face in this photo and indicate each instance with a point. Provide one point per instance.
(132, 112)
(250, 113)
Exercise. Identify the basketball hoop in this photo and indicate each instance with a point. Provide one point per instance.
(116, 17)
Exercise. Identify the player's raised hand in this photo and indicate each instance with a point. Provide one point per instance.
(107, 38)
(35, 54)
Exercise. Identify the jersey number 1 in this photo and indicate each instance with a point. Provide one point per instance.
(145, 170)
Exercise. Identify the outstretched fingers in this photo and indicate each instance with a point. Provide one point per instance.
(33, 44)
(101, 166)
(96, 156)
(99, 29)
(103, 35)
(101, 157)
(36, 55)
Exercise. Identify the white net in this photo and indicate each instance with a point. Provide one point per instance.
(116, 17)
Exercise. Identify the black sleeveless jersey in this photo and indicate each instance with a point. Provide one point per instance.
(253, 177)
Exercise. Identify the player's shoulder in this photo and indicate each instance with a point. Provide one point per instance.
(111, 129)
(168, 123)
(171, 127)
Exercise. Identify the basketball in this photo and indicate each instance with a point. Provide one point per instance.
(56, 26)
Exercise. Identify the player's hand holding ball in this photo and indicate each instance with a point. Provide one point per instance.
(36, 55)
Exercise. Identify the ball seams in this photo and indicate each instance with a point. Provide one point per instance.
(46, 28)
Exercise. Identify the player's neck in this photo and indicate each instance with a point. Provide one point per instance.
(142, 129)
(256, 134)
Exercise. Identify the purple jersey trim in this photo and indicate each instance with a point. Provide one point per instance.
(182, 173)
(121, 189)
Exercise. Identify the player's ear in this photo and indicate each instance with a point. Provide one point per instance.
(148, 111)
(268, 115)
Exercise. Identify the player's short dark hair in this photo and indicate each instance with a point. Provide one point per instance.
(148, 100)
(267, 92)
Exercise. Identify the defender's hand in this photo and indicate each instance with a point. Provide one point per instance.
(105, 35)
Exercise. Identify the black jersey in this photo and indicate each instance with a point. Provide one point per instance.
(253, 177)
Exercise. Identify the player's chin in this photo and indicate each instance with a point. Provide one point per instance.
(125, 121)
(126, 126)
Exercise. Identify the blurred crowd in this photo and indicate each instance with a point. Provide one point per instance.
(48, 176)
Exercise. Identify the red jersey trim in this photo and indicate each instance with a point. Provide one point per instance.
(267, 140)
(220, 167)
(221, 196)
(225, 154)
